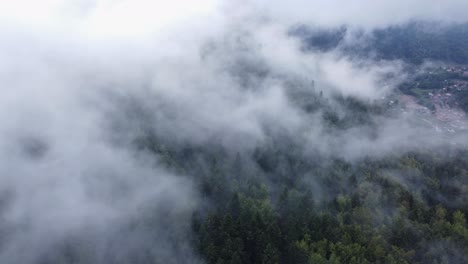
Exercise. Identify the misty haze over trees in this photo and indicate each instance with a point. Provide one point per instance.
(233, 131)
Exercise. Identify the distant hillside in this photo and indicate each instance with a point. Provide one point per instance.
(413, 42)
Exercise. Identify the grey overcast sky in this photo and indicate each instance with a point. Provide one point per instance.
(140, 17)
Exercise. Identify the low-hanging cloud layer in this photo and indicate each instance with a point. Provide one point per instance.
(364, 13)
(212, 72)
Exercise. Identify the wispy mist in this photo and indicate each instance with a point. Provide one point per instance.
(82, 81)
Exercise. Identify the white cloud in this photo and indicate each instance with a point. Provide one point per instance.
(104, 18)
(364, 13)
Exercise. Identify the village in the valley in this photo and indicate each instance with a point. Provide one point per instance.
(440, 106)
